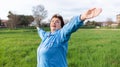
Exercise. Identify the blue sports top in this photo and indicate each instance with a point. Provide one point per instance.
(53, 48)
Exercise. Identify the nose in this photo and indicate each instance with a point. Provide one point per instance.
(54, 22)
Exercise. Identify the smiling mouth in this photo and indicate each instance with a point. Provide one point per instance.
(53, 26)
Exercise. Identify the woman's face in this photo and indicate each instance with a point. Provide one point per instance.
(55, 24)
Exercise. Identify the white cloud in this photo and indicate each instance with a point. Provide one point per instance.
(67, 8)
(16, 6)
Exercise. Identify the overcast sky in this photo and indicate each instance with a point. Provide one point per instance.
(67, 8)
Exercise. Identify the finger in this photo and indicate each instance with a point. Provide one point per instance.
(92, 9)
(97, 11)
(91, 13)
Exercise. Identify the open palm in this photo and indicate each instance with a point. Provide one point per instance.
(91, 13)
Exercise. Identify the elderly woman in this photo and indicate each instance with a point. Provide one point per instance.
(53, 48)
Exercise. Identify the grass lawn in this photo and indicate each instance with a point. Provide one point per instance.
(87, 48)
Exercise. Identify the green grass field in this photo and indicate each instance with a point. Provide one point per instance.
(87, 48)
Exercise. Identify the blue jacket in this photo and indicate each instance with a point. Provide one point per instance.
(53, 49)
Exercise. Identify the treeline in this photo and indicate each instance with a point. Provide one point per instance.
(40, 13)
(15, 20)
(18, 20)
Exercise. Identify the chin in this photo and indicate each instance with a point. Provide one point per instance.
(53, 28)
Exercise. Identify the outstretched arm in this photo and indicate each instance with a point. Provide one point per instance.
(77, 21)
(91, 13)
(41, 32)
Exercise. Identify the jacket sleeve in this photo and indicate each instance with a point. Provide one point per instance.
(70, 27)
(41, 33)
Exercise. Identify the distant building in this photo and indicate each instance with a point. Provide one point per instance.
(4, 23)
(118, 18)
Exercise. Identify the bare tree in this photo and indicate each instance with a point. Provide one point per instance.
(39, 13)
(12, 20)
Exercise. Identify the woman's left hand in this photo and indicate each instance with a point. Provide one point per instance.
(91, 13)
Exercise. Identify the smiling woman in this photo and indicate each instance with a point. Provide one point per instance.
(56, 22)
(54, 45)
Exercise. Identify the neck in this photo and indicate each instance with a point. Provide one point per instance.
(52, 31)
